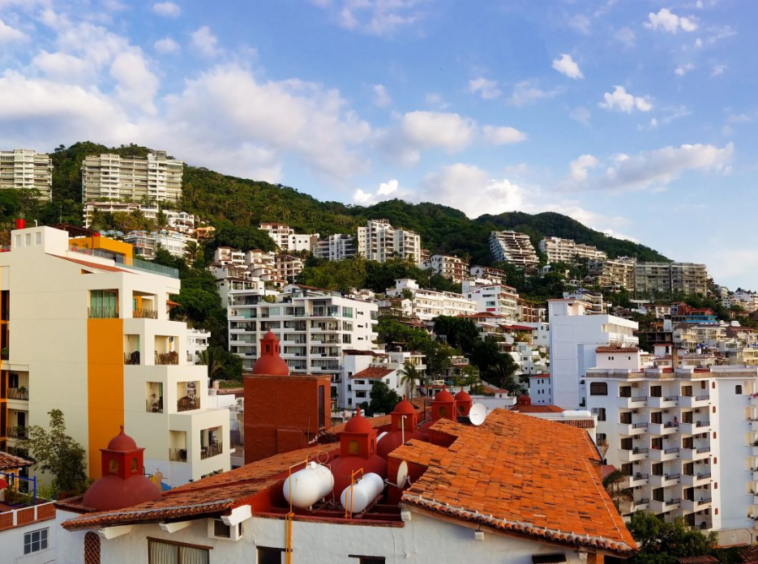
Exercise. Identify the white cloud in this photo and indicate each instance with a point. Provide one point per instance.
(566, 65)
(580, 23)
(625, 36)
(388, 188)
(135, 84)
(669, 22)
(386, 191)
(61, 66)
(167, 45)
(441, 130)
(167, 9)
(205, 42)
(622, 101)
(581, 114)
(502, 135)
(578, 168)
(381, 96)
(653, 169)
(527, 92)
(9, 34)
(683, 69)
(436, 101)
(374, 17)
(487, 89)
(718, 69)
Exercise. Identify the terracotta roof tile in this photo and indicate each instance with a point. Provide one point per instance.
(617, 349)
(537, 409)
(12, 462)
(372, 373)
(519, 474)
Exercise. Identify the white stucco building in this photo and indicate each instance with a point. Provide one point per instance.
(493, 298)
(335, 247)
(540, 389)
(25, 169)
(454, 268)
(513, 247)
(380, 241)
(362, 368)
(568, 250)
(428, 304)
(289, 241)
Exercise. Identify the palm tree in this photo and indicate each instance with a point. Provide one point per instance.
(409, 375)
(191, 249)
(211, 360)
(613, 485)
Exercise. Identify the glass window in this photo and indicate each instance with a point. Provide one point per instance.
(35, 541)
(169, 553)
(598, 389)
(270, 555)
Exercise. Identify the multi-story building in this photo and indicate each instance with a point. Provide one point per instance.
(92, 337)
(25, 169)
(488, 273)
(335, 247)
(289, 241)
(227, 255)
(662, 277)
(313, 326)
(454, 268)
(684, 438)
(197, 343)
(513, 247)
(361, 369)
(614, 273)
(568, 250)
(288, 267)
(146, 244)
(428, 304)
(574, 338)
(157, 177)
(494, 298)
(380, 241)
(540, 390)
(531, 312)
(176, 220)
(594, 300)
(745, 299)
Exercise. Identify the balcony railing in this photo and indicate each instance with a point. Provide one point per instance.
(177, 454)
(132, 358)
(167, 358)
(142, 313)
(17, 432)
(18, 394)
(188, 404)
(702, 398)
(102, 312)
(154, 406)
(209, 451)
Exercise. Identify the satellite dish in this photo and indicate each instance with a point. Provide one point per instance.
(402, 474)
(477, 414)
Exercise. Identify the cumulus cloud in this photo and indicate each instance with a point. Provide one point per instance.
(502, 135)
(683, 69)
(374, 17)
(653, 169)
(620, 100)
(168, 9)
(166, 45)
(580, 23)
(9, 34)
(431, 130)
(527, 92)
(62, 66)
(381, 97)
(669, 22)
(626, 37)
(718, 69)
(135, 83)
(205, 42)
(581, 114)
(566, 65)
(487, 89)
(386, 190)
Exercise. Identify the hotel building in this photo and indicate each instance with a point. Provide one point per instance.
(24, 169)
(380, 241)
(157, 177)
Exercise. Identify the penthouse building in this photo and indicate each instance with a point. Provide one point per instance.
(380, 241)
(513, 247)
(24, 169)
(568, 250)
(157, 177)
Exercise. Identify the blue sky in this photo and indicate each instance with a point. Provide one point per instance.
(636, 117)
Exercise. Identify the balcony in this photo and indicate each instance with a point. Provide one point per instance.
(633, 455)
(641, 504)
(177, 454)
(19, 394)
(187, 404)
(102, 312)
(695, 480)
(211, 450)
(664, 480)
(132, 358)
(668, 428)
(632, 403)
(142, 313)
(636, 480)
(632, 428)
(663, 455)
(167, 358)
(694, 401)
(664, 402)
(17, 432)
(696, 453)
(660, 506)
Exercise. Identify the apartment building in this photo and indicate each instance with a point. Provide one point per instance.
(454, 268)
(488, 273)
(313, 326)
(684, 438)
(335, 247)
(147, 243)
(531, 312)
(177, 220)
(540, 390)
(288, 267)
(513, 247)
(594, 300)
(92, 337)
(157, 177)
(428, 304)
(289, 241)
(652, 278)
(745, 299)
(361, 369)
(490, 297)
(380, 241)
(568, 250)
(25, 169)
(615, 273)
(197, 344)
(574, 337)
(227, 255)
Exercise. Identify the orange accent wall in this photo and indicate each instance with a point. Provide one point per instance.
(105, 385)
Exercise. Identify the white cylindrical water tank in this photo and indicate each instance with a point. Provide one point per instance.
(309, 485)
(364, 492)
(575, 413)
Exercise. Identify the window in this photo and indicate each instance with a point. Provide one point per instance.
(598, 389)
(369, 559)
(270, 555)
(91, 548)
(738, 390)
(164, 552)
(601, 414)
(35, 541)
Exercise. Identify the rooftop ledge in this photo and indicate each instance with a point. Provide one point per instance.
(732, 371)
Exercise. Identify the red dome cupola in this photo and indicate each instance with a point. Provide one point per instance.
(443, 406)
(269, 361)
(357, 451)
(404, 427)
(463, 402)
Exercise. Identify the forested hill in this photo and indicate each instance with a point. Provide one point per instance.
(219, 199)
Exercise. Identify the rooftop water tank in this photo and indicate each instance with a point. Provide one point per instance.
(364, 491)
(309, 485)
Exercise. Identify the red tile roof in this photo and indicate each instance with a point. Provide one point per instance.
(11, 462)
(617, 349)
(522, 475)
(537, 409)
(372, 373)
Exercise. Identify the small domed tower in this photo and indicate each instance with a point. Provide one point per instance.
(443, 407)
(523, 401)
(270, 362)
(404, 426)
(463, 402)
(123, 482)
(357, 450)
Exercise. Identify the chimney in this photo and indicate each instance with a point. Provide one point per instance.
(20, 223)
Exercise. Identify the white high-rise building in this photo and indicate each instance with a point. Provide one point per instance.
(568, 250)
(652, 278)
(513, 247)
(454, 268)
(428, 304)
(313, 326)
(335, 247)
(289, 241)
(177, 220)
(25, 169)
(683, 437)
(493, 298)
(380, 241)
(574, 337)
(157, 177)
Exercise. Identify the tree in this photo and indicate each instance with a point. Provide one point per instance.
(410, 377)
(58, 454)
(663, 543)
(613, 485)
(383, 400)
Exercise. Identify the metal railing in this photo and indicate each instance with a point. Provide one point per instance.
(187, 404)
(142, 313)
(132, 358)
(153, 268)
(672, 450)
(17, 432)
(674, 501)
(102, 312)
(639, 425)
(177, 454)
(703, 424)
(702, 398)
(18, 394)
(670, 398)
(638, 399)
(167, 358)
(703, 476)
(210, 451)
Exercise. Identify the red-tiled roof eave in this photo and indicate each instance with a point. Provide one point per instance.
(12, 462)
